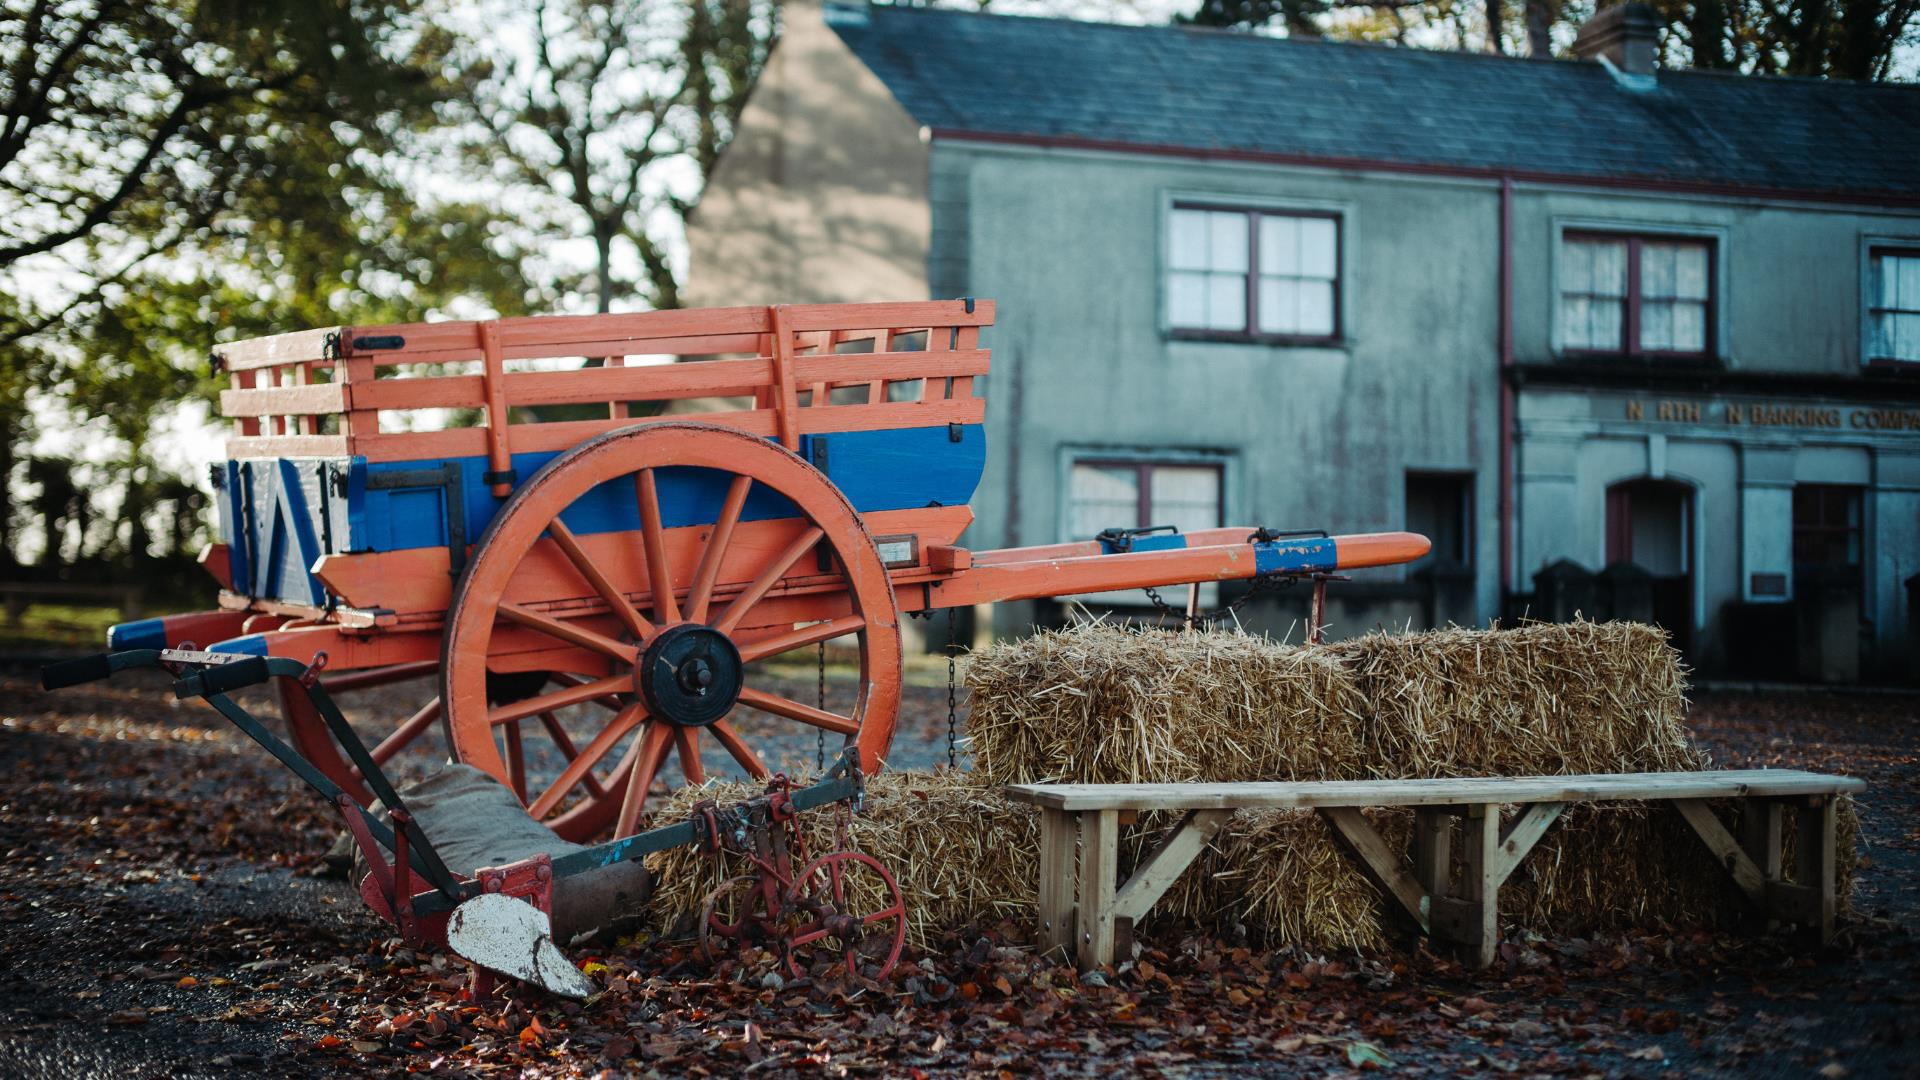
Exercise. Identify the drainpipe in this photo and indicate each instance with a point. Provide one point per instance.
(1506, 389)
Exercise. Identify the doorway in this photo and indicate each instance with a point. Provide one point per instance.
(1650, 525)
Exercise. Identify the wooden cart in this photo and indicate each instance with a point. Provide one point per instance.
(630, 511)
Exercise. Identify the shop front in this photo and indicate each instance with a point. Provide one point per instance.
(1775, 536)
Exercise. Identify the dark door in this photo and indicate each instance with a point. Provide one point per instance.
(1650, 524)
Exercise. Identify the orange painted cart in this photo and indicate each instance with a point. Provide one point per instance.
(628, 512)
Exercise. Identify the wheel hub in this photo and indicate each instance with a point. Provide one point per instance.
(690, 674)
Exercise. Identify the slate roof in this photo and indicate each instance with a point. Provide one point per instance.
(1185, 89)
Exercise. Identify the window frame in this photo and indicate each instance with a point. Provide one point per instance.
(1875, 249)
(1250, 332)
(1630, 348)
(1143, 467)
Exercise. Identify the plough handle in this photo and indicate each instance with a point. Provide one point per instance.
(86, 669)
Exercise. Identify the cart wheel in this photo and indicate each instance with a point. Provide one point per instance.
(734, 915)
(315, 742)
(854, 919)
(737, 587)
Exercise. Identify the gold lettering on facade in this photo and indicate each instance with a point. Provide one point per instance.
(1769, 415)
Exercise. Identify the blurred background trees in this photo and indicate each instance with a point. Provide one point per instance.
(176, 172)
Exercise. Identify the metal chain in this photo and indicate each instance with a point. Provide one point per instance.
(953, 707)
(1262, 583)
(820, 734)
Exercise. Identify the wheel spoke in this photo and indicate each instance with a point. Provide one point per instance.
(806, 635)
(516, 761)
(406, 733)
(568, 632)
(716, 549)
(743, 603)
(609, 702)
(652, 744)
(686, 745)
(742, 753)
(570, 544)
(572, 695)
(793, 710)
(578, 768)
(654, 538)
(565, 742)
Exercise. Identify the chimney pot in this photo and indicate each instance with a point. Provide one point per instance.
(1625, 35)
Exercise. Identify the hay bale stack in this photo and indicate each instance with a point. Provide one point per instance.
(1099, 704)
(961, 852)
(1104, 705)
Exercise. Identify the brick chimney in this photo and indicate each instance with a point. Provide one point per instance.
(1624, 35)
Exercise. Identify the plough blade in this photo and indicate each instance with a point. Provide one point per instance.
(508, 935)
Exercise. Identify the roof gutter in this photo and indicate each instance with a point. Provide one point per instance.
(1904, 200)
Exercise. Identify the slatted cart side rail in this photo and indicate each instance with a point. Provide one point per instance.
(320, 393)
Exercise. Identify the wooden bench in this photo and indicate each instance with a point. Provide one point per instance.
(1085, 913)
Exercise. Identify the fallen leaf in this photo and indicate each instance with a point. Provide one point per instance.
(1367, 1056)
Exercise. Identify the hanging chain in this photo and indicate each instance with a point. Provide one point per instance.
(820, 734)
(953, 707)
(1262, 583)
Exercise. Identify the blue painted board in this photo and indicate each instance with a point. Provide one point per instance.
(272, 518)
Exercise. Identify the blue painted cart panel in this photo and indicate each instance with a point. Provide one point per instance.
(280, 515)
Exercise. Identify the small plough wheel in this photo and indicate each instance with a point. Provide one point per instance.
(734, 916)
(850, 915)
(648, 570)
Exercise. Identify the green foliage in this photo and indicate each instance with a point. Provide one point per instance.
(175, 171)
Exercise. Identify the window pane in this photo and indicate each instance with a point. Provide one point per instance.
(1318, 248)
(1279, 244)
(1226, 241)
(1656, 326)
(1187, 298)
(1227, 301)
(1576, 322)
(1187, 240)
(1905, 293)
(1690, 272)
(1610, 268)
(1656, 271)
(1689, 327)
(1185, 496)
(1279, 305)
(1608, 327)
(1316, 308)
(1102, 497)
(1594, 266)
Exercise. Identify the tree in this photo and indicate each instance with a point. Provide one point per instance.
(173, 169)
(610, 123)
(1848, 39)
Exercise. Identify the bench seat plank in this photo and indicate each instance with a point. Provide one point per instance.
(1451, 791)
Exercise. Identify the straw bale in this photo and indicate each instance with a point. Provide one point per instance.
(1101, 704)
(962, 852)
(1541, 698)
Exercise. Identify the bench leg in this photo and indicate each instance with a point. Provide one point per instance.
(1760, 834)
(1432, 850)
(1099, 864)
(1059, 832)
(1814, 828)
(1472, 921)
